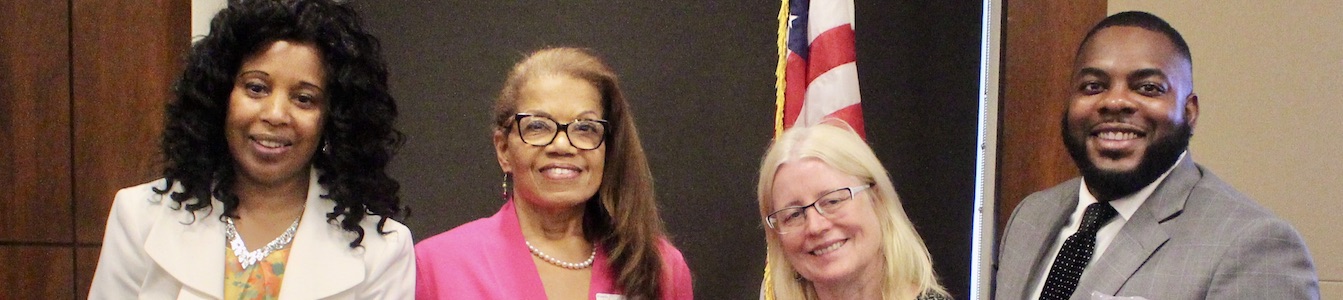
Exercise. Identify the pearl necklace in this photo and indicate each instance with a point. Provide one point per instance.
(246, 258)
(567, 265)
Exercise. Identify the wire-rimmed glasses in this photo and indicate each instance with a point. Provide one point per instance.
(585, 134)
(831, 205)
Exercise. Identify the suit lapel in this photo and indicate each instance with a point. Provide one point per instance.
(190, 248)
(1138, 240)
(321, 262)
(1034, 235)
(1142, 235)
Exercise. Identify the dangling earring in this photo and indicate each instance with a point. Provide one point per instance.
(326, 147)
(507, 192)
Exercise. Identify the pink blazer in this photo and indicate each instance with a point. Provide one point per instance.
(488, 259)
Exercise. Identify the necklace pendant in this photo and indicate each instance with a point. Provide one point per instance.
(250, 258)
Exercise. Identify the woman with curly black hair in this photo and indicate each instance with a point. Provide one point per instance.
(275, 184)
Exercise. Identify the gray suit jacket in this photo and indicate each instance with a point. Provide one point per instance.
(1195, 238)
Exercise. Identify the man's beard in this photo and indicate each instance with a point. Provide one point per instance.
(1109, 185)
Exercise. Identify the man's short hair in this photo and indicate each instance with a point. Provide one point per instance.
(1142, 20)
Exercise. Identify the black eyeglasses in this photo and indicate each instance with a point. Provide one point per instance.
(831, 205)
(585, 134)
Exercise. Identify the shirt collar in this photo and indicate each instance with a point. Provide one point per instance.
(1127, 205)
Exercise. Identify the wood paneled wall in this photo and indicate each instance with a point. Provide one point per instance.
(1041, 39)
(35, 114)
(83, 84)
(36, 231)
(127, 54)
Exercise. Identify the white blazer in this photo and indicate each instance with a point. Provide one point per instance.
(152, 250)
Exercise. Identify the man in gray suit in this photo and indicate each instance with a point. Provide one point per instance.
(1160, 226)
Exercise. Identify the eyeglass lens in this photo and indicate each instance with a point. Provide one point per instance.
(830, 205)
(541, 131)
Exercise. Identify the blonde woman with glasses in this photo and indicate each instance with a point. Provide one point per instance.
(834, 225)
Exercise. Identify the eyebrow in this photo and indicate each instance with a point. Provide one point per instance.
(594, 114)
(795, 202)
(548, 115)
(1145, 73)
(300, 82)
(827, 192)
(253, 71)
(319, 89)
(535, 113)
(1090, 71)
(818, 196)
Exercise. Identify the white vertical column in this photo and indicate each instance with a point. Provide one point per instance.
(201, 13)
(985, 219)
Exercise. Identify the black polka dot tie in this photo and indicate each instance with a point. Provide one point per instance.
(1076, 253)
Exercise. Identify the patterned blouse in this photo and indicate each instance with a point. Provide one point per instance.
(258, 282)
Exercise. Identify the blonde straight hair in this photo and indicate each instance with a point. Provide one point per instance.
(907, 266)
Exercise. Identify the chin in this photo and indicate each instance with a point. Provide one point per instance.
(1126, 165)
(270, 174)
(823, 270)
(1113, 178)
(560, 199)
(829, 274)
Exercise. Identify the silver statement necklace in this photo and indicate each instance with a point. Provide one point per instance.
(563, 264)
(246, 258)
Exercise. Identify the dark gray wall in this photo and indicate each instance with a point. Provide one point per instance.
(700, 75)
(918, 69)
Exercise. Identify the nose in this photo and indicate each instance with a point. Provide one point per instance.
(561, 145)
(1118, 102)
(275, 109)
(816, 222)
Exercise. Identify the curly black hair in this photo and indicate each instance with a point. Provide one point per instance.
(359, 134)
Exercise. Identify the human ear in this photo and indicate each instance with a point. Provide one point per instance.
(1191, 110)
(501, 150)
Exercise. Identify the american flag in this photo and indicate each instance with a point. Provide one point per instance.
(817, 70)
(817, 74)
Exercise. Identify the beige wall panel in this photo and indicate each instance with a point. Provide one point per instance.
(1267, 74)
(1331, 290)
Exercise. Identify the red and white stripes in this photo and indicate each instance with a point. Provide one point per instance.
(820, 77)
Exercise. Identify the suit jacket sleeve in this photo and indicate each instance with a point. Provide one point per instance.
(1267, 260)
(123, 263)
(392, 270)
(1007, 229)
(1012, 264)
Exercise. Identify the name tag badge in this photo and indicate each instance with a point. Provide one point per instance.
(1097, 295)
(601, 296)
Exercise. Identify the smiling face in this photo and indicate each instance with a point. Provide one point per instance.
(1131, 112)
(274, 122)
(558, 175)
(842, 247)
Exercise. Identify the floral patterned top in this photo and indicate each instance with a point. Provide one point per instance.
(258, 282)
